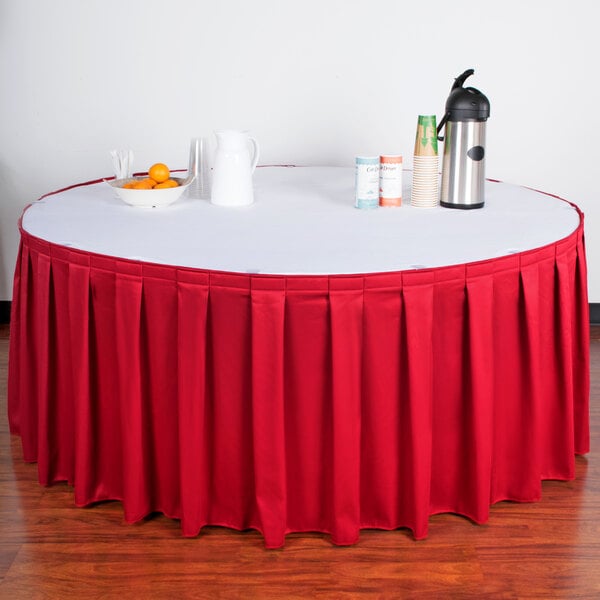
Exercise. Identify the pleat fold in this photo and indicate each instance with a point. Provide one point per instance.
(530, 435)
(564, 342)
(79, 302)
(159, 392)
(61, 399)
(267, 297)
(381, 476)
(134, 425)
(346, 321)
(308, 408)
(108, 449)
(24, 396)
(194, 441)
(416, 371)
(42, 319)
(511, 404)
(478, 409)
(233, 500)
(581, 349)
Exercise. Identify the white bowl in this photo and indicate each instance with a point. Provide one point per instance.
(149, 198)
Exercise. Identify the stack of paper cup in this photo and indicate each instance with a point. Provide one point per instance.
(425, 187)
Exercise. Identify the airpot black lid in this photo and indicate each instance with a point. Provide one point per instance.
(466, 104)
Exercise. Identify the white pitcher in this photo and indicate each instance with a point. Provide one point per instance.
(233, 168)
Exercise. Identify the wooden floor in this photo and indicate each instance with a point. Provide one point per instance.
(50, 549)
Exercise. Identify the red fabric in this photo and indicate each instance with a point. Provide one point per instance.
(301, 403)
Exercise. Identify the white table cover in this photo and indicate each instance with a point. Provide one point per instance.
(303, 221)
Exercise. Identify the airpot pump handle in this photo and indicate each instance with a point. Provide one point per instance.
(459, 81)
(439, 128)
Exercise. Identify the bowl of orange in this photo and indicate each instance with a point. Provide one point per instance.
(155, 190)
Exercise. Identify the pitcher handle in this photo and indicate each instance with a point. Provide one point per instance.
(256, 153)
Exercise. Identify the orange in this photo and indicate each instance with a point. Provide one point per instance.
(159, 172)
(130, 185)
(169, 183)
(144, 184)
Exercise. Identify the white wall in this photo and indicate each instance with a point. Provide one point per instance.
(316, 81)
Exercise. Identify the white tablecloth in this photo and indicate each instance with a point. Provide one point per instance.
(302, 222)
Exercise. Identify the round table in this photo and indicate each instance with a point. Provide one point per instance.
(299, 364)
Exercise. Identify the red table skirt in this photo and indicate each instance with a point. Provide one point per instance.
(301, 403)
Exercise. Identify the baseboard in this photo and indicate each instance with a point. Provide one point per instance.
(5, 312)
(595, 313)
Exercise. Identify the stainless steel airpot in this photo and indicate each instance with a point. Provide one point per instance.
(463, 169)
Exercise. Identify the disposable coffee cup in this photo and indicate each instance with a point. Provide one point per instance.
(424, 189)
(425, 197)
(432, 174)
(426, 161)
(424, 202)
(426, 142)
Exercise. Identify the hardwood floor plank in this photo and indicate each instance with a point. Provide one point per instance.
(253, 571)
(8, 552)
(51, 549)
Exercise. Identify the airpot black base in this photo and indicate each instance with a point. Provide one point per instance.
(462, 206)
